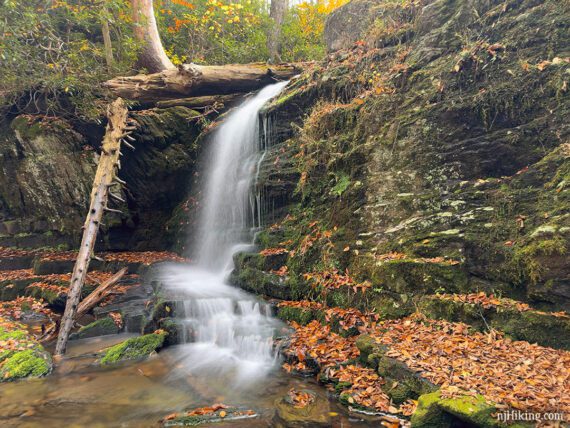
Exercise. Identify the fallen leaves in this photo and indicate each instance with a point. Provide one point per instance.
(16, 308)
(316, 341)
(333, 280)
(346, 318)
(117, 319)
(486, 301)
(282, 271)
(207, 410)
(214, 411)
(365, 389)
(491, 301)
(300, 399)
(510, 374)
(401, 256)
(12, 253)
(273, 251)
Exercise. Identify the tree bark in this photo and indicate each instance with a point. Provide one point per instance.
(106, 170)
(152, 56)
(210, 101)
(98, 294)
(107, 43)
(192, 80)
(277, 12)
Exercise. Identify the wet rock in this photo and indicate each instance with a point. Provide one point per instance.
(208, 416)
(348, 24)
(248, 275)
(42, 204)
(313, 414)
(101, 327)
(135, 348)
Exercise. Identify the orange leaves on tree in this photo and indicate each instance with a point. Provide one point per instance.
(184, 3)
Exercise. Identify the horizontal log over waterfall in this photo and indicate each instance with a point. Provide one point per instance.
(191, 80)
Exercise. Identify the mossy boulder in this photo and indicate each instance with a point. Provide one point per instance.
(433, 411)
(101, 327)
(135, 348)
(302, 316)
(400, 382)
(24, 357)
(248, 276)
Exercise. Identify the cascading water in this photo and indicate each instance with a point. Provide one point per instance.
(227, 330)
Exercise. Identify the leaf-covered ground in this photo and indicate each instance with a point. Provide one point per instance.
(509, 374)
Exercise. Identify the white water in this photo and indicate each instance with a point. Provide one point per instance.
(229, 332)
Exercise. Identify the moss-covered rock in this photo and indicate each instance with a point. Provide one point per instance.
(529, 325)
(135, 348)
(248, 275)
(400, 382)
(24, 357)
(435, 412)
(101, 327)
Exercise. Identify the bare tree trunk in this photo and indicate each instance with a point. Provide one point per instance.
(106, 170)
(152, 55)
(277, 12)
(192, 80)
(107, 43)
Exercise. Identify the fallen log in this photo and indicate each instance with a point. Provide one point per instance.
(200, 103)
(101, 292)
(191, 80)
(106, 171)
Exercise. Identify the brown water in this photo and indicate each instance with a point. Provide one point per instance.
(81, 394)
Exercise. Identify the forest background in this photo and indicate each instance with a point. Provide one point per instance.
(54, 54)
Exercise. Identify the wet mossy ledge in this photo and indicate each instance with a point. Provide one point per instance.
(136, 348)
(21, 356)
(100, 327)
(546, 329)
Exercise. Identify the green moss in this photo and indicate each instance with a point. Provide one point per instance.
(428, 414)
(519, 325)
(135, 348)
(301, 316)
(28, 363)
(99, 327)
(474, 410)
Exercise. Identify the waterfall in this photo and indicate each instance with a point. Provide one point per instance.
(228, 332)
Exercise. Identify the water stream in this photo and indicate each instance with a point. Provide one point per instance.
(227, 355)
(228, 331)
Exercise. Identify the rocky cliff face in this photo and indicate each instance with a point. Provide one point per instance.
(433, 153)
(47, 170)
